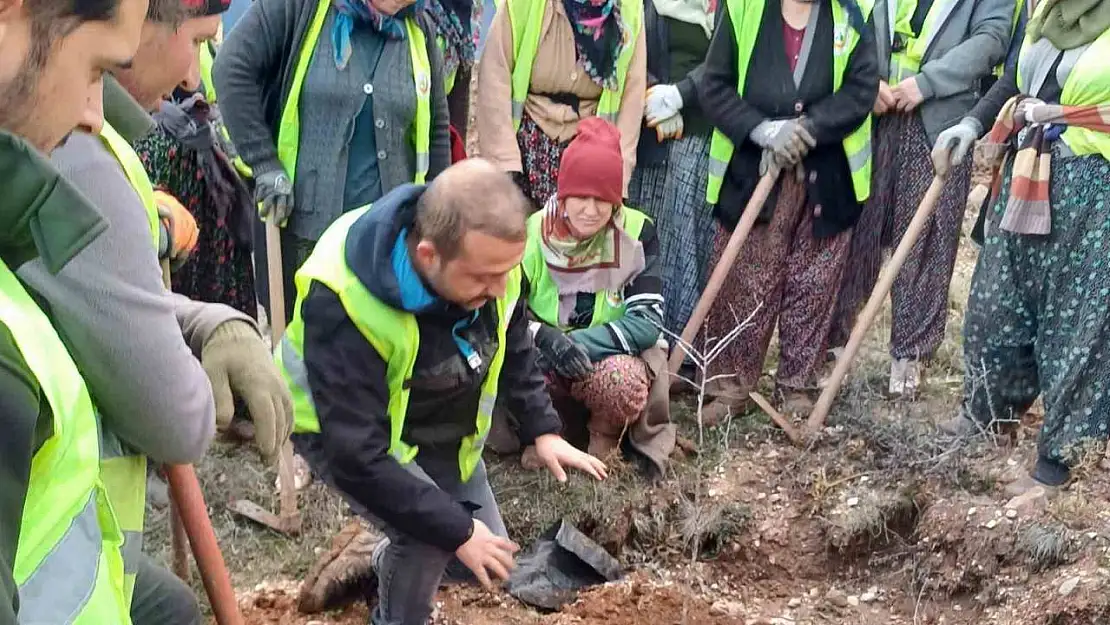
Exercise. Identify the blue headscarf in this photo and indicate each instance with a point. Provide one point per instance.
(360, 12)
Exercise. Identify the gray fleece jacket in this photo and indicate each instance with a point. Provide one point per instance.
(136, 343)
(972, 39)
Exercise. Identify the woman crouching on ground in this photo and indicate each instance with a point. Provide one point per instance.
(1040, 301)
(594, 293)
(804, 112)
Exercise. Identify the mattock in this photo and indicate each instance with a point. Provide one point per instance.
(289, 521)
(875, 302)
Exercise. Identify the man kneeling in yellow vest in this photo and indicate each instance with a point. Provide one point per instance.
(409, 323)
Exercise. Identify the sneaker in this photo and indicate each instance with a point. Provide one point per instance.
(905, 377)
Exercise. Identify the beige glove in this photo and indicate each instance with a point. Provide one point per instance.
(238, 364)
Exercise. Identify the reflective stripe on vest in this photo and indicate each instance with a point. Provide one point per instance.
(1085, 75)
(747, 16)
(526, 18)
(908, 63)
(394, 334)
(124, 473)
(289, 130)
(543, 295)
(67, 563)
(136, 175)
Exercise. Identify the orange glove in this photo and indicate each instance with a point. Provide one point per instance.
(179, 231)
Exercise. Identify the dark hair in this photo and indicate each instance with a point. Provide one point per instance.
(470, 196)
(168, 12)
(51, 19)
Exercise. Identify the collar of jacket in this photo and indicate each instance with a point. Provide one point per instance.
(124, 113)
(41, 214)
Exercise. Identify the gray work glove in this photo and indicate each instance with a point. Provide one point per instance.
(559, 353)
(273, 193)
(789, 139)
(239, 365)
(954, 143)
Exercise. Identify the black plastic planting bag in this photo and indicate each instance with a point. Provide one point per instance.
(560, 563)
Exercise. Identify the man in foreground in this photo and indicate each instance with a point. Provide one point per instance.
(59, 542)
(409, 324)
(136, 344)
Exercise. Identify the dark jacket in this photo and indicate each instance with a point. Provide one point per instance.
(770, 93)
(348, 382)
(254, 73)
(657, 33)
(42, 216)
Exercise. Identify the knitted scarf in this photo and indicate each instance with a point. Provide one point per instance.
(1069, 24)
(1035, 125)
(360, 12)
(608, 260)
(457, 22)
(599, 38)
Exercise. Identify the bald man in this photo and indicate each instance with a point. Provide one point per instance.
(409, 324)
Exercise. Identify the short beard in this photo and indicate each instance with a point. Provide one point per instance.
(17, 102)
(16, 97)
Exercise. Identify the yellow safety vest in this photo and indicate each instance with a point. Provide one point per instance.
(123, 471)
(68, 566)
(206, 61)
(747, 17)
(1087, 83)
(449, 80)
(133, 168)
(289, 130)
(1001, 67)
(526, 17)
(908, 62)
(543, 295)
(393, 333)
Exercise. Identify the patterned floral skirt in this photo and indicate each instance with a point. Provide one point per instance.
(783, 276)
(1038, 314)
(220, 270)
(540, 156)
(673, 194)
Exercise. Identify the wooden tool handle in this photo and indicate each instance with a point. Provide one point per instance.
(290, 518)
(186, 493)
(874, 303)
(724, 266)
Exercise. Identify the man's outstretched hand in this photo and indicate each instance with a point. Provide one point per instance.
(557, 454)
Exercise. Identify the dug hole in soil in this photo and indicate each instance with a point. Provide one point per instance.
(881, 521)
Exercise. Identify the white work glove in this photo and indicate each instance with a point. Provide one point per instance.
(954, 143)
(669, 128)
(273, 193)
(663, 101)
(789, 139)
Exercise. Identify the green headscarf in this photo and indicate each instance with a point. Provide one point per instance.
(1070, 24)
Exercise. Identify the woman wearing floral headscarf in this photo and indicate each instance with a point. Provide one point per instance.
(549, 64)
(1039, 309)
(594, 293)
(332, 103)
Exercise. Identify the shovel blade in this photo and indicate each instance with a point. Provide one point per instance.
(262, 516)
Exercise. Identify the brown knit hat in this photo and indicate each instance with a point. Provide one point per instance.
(592, 165)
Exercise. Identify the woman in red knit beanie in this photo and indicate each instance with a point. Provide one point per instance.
(594, 296)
